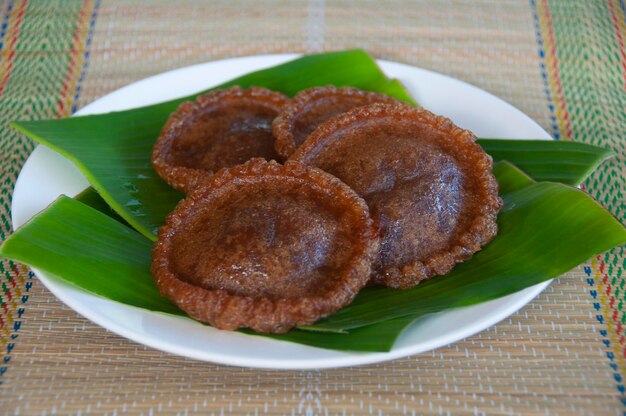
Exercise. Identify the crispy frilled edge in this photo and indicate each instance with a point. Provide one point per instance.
(230, 311)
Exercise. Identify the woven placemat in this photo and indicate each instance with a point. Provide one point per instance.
(561, 62)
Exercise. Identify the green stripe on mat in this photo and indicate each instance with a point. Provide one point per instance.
(582, 46)
(41, 46)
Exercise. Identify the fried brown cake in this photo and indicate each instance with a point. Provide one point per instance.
(265, 246)
(313, 106)
(220, 129)
(429, 186)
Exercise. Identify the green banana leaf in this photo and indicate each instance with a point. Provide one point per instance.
(378, 337)
(90, 250)
(548, 160)
(544, 231)
(113, 150)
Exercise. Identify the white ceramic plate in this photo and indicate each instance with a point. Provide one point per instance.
(46, 175)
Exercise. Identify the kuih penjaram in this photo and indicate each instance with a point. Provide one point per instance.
(312, 107)
(373, 192)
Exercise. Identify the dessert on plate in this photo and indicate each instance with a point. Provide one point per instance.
(265, 246)
(312, 107)
(429, 186)
(220, 129)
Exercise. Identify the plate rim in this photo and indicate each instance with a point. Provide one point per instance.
(350, 358)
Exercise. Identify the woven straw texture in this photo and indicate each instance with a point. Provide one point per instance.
(561, 62)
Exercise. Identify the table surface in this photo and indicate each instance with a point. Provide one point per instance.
(561, 62)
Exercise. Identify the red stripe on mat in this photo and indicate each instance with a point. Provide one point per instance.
(64, 103)
(553, 65)
(9, 54)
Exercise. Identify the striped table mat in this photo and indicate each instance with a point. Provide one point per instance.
(561, 62)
